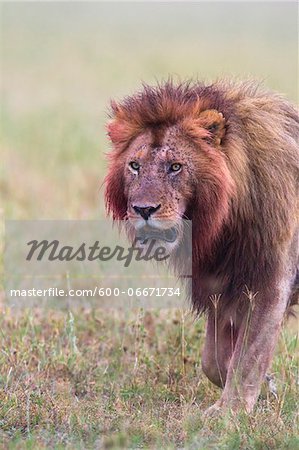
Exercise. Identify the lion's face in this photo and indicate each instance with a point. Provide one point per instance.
(161, 174)
(159, 183)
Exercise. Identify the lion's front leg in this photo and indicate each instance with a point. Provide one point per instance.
(253, 352)
(218, 349)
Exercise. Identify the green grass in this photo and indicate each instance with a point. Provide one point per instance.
(101, 379)
(93, 379)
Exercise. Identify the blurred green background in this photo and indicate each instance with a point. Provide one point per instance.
(61, 63)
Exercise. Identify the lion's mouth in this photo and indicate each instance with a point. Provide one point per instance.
(148, 232)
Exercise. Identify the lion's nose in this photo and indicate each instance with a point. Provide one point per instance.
(146, 211)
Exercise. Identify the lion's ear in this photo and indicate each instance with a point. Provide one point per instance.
(116, 127)
(115, 131)
(214, 122)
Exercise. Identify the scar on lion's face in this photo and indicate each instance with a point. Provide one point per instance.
(159, 177)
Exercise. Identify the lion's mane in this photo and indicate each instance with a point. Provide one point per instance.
(244, 224)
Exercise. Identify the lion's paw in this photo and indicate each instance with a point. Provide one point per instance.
(213, 411)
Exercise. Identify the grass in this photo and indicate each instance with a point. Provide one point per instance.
(90, 379)
(98, 378)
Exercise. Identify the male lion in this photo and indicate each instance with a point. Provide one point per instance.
(226, 157)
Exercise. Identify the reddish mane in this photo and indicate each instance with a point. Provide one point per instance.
(246, 208)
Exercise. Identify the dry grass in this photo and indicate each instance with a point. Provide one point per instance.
(100, 379)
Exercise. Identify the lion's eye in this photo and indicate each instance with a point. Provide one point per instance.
(135, 165)
(175, 167)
